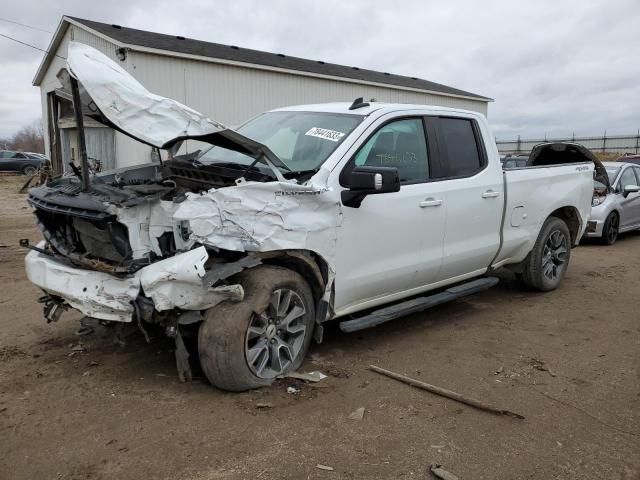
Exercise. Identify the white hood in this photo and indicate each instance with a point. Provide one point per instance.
(130, 107)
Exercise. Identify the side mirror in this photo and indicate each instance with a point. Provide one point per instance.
(630, 189)
(369, 181)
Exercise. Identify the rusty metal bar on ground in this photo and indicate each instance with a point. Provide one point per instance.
(444, 393)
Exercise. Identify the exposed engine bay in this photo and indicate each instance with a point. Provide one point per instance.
(125, 221)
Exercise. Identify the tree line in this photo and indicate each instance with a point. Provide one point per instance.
(30, 138)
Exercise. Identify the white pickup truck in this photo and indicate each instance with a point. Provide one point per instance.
(359, 211)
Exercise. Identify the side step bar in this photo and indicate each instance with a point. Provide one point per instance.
(417, 304)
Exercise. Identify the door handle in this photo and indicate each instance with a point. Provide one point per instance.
(430, 202)
(490, 194)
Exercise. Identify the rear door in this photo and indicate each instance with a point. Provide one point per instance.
(474, 197)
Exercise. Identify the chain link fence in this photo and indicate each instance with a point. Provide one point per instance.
(614, 144)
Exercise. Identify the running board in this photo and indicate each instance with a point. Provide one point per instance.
(417, 304)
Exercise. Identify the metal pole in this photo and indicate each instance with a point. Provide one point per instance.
(77, 110)
(604, 142)
(637, 141)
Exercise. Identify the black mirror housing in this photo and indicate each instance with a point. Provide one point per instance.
(369, 181)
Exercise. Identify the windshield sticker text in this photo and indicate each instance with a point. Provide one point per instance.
(325, 133)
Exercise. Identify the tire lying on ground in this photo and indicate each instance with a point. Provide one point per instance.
(248, 344)
(548, 261)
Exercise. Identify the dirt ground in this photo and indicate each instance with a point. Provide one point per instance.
(569, 361)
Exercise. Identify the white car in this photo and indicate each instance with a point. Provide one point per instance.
(616, 205)
(360, 211)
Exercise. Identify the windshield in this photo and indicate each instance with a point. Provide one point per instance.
(612, 173)
(302, 140)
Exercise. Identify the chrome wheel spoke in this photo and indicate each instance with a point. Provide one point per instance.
(254, 332)
(285, 301)
(258, 355)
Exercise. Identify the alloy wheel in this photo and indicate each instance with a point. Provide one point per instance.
(276, 336)
(554, 255)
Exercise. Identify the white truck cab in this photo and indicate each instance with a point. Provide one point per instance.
(358, 211)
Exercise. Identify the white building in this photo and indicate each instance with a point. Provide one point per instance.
(227, 83)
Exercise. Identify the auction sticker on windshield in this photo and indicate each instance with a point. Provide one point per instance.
(325, 133)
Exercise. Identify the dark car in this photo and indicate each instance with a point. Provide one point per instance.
(630, 158)
(25, 163)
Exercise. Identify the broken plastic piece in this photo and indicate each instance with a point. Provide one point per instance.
(357, 414)
(314, 376)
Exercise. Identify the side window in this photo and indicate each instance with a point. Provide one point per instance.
(627, 178)
(399, 144)
(20, 155)
(461, 146)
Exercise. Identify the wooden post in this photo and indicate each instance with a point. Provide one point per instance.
(82, 146)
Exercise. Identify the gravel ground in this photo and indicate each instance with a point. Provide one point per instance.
(569, 361)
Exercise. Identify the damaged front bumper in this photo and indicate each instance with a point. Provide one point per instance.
(179, 282)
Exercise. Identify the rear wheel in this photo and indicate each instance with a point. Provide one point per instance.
(29, 170)
(248, 344)
(610, 229)
(549, 258)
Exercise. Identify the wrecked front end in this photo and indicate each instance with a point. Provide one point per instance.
(153, 245)
(160, 244)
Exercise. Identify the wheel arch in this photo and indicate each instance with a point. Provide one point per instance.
(571, 217)
(310, 265)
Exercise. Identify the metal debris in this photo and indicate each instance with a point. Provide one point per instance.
(357, 414)
(444, 392)
(182, 359)
(293, 390)
(441, 473)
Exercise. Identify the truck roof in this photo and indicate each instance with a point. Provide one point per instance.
(380, 107)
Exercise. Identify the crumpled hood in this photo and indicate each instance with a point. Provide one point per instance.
(129, 106)
(118, 100)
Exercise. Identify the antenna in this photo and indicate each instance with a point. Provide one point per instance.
(358, 103)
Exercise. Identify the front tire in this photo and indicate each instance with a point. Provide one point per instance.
(610, 229)
(548, 261)
(29, 170)
(248, 344)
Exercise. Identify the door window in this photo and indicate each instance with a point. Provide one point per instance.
(463, 155)
(400, 144)
(627, 178)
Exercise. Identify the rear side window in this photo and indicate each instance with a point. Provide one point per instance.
(461, 146)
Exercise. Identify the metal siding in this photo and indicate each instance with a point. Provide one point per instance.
(231, 94)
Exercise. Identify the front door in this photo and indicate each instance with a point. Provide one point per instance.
(393, 241)
(630, 213)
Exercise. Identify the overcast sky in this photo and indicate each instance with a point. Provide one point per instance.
(553, 67)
